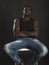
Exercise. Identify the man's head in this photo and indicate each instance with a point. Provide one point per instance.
(27, 10)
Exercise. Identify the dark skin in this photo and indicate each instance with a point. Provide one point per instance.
(23, 33)
(26, 17)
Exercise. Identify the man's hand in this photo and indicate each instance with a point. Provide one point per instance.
(30, 33)
(20, 34)
(22, 62)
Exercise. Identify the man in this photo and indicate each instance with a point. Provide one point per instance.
(26, 29)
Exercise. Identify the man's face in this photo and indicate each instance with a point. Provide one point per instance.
(27, 11)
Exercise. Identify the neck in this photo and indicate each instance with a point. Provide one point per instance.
(26, 18)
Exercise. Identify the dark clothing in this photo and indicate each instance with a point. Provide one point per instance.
(27, 25)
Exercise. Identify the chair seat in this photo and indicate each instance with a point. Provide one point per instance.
(25, 53)
(24, 49)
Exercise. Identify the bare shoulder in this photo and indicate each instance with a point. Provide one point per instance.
(16, 20)
(36, 22)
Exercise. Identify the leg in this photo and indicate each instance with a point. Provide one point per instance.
(41, 48)
(11, 48)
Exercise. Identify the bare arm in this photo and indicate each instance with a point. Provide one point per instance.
(36, 28)
(16, 28)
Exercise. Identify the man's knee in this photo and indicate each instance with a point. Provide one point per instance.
(7, 48)
(44, 51)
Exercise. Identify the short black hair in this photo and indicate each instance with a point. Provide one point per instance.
(28, 6)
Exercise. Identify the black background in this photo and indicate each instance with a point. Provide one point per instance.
(9, 10)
